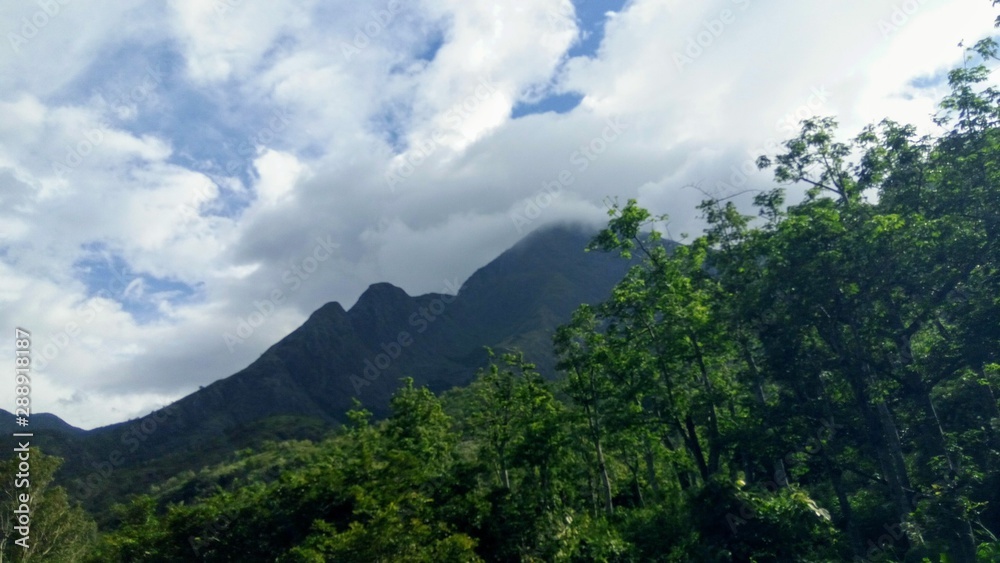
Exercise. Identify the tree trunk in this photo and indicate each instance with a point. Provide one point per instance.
(713, 418)
(683, 479)
(877, 441)
(892, 441)
(593, 414)
(845, 506)
(651, 469)
(605, 480)
(691, 437)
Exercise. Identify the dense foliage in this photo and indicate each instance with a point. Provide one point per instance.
(58, 530)
(815, 383)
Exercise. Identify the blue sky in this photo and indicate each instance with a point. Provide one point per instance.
(590, 17)
(166, 169)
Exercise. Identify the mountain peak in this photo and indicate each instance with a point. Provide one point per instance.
(331, 308)
(540, 250)
(379, 294)
(562, 230)
(39, 421)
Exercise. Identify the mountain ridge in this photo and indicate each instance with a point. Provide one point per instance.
(311, 377)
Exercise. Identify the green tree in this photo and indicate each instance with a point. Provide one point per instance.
(585, 358)
(58, 531)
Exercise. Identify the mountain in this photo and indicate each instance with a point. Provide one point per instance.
(303, 385)
(41, 422)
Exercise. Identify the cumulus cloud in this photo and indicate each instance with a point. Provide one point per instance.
(169, 172)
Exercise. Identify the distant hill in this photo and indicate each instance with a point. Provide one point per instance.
(304, 384)
(43, 422)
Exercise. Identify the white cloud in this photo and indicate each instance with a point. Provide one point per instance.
(279, 173)
(226, 39)
(47, 45)
(320, 100)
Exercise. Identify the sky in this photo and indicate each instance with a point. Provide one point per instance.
(183, 182)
